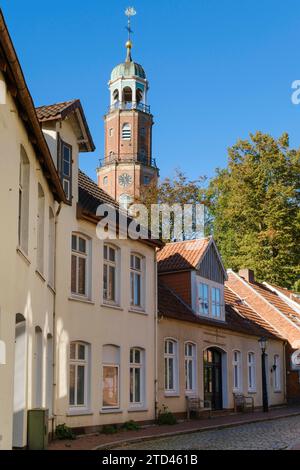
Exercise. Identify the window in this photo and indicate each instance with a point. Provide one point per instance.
(170, 366)
(40, 229)
(111, 377)
(147, 179)
(190, 367)
(136, 280)
(236, 370)
(216, 302)
(110, 255)
(277, 373)
(51, 247)
(251, 372)
(78, 378)
(38, 373)
(126, 132)
(105, 180)
(111, 132)
(136, 377)
(203, 298)
(66, 168)
(79, 267)
(143, 132)
(23, 221)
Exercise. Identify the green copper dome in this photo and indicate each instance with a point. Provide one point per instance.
(128, 70)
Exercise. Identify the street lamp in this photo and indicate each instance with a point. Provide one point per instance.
(263, 342)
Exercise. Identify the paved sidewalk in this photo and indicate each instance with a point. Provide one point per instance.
(102, 441)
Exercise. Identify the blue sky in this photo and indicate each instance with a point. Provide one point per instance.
(218, 69)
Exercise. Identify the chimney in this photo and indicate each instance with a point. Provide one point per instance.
(247, 274)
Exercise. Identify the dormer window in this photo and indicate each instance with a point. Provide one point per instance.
(216, 302)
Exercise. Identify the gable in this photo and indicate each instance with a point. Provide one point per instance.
(211, 267)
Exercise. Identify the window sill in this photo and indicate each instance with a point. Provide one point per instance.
(139, 311)
(252, 392)
(113, 306)
(172, 394)
(83, 300)
(110, 411)
(23, 255)
(137, 410)
(277, 391)
(71, 413)
(40, 275)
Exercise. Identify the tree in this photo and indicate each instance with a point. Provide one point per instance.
(177, 190)
(255, 204)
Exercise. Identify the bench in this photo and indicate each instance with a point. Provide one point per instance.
(197, 405)
(243, 402)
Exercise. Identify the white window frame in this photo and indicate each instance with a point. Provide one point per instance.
(51, 247)
(190, 359)
(134, 274)
(83, 255)
(237, 366)
(174, 357)
(40, 251)
(251, 371)
(141, 367)
(216, 305)
(24, 190)
(201, 299)
(277, 373)
(76, 362)
(117, 406)
(111, 264)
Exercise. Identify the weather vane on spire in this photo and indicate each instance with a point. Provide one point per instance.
(129, 12)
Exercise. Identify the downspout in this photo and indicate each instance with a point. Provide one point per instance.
(285, 371)
(155, 336)
(54, 327)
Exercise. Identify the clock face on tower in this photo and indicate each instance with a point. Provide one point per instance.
(125, 180)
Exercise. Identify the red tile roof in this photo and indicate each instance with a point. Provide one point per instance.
(170, 305)
(288, 293)
(54, 111)
(246, 311)
(183, 255)
(59, 111)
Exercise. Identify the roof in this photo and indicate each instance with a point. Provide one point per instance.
(18, 88)
(128, 70)
(273, 298)
(91, 196)
(172, 306)
(246, 311)
(60, 111)
(287, 293)
(181, 256)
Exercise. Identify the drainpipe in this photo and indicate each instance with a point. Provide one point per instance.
(285, 371)
(155, 334)
(54, 326)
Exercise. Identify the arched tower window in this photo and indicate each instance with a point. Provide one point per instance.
(127, 95)
(116, 96)
(139, 96)
(126, 131)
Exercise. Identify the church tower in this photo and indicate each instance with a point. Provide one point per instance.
(128, 166)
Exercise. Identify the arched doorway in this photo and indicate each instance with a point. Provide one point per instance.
(212, 366)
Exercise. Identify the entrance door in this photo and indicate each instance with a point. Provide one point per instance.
(213, 378)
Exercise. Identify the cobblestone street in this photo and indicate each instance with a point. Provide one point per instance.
(271, 435)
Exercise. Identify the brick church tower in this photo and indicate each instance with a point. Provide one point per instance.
(128, 166)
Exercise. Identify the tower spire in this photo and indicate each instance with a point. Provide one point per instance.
(129, 12)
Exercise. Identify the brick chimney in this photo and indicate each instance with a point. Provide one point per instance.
(247, 274)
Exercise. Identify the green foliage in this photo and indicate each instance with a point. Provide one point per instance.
(255, 204)
(63, 432)
(165, 416)
(131, 426)
(109, 429)
(296, 287)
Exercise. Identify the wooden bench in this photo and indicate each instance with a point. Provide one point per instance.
(243, 402)
(197, 405)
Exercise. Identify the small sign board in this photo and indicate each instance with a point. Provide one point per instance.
(295, 360)
(2, 353)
